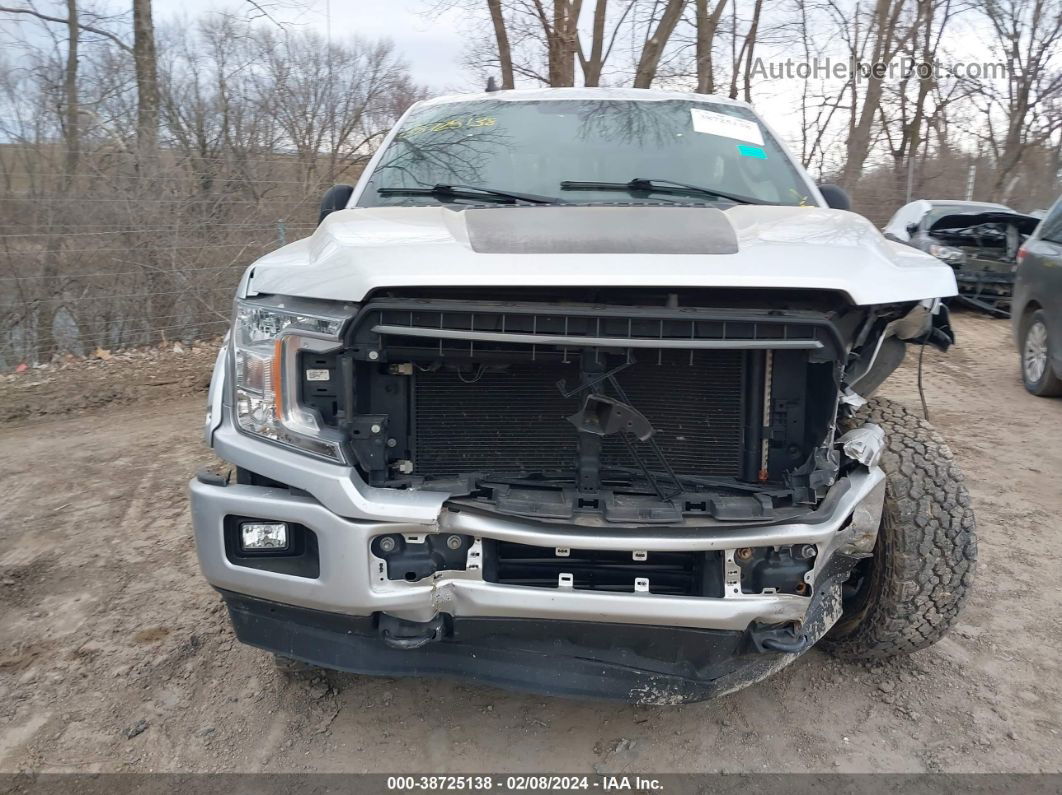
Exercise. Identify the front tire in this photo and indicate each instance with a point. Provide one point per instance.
(1036, 355)
(909, 593)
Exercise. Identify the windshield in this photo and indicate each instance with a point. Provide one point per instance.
(532, 147)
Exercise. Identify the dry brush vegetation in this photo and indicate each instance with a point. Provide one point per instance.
(124, 244)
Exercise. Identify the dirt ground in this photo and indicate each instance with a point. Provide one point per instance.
(116, 656)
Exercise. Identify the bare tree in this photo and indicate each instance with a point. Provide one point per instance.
(607, 23)
(86, 27)
(885, 37)
(501, 36)
(593, 64)
(909, 108)
(46, 302)
(540, 41)
(72, 131)
(817, 105)
(602, 42)
(243, 123)
(707, 23)
(654, 45)
(742, 66)
(1027, 36)
(105, 262)
(329, 114)
(560, 28)
(147, 82)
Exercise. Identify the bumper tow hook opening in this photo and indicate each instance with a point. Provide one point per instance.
(209, 478)
(794, 646)
(398, 633)
(786, 640)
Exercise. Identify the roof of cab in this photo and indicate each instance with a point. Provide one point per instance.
(542, 94)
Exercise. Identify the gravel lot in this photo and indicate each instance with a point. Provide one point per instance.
(116, 655)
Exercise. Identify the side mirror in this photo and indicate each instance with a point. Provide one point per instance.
(836, 197)
(335, 198)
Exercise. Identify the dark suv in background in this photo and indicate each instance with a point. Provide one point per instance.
(1037, 306)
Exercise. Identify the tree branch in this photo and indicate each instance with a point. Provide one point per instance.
(63, 21)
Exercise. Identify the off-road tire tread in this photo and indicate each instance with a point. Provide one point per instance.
(927, 543)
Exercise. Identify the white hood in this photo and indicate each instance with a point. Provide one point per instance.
(360, 250)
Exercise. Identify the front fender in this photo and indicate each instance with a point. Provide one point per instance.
(216, 393)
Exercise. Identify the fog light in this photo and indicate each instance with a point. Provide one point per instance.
(263, 536)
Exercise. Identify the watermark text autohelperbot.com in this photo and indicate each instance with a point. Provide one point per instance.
(899, 69)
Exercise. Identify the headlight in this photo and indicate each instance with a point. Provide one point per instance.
(946, 253)
(267, 338)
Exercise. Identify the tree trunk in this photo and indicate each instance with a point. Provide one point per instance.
(147, 83)
(707, 24)
(886, 16)
(73, 109)
(593, 65)
(754, 29)
(563, 42)
(501, 35)
(654, 45)
(913, 132)
(1015, 140)
(742, 65)
(48, 306)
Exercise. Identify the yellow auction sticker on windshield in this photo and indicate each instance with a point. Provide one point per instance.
(450, 124)
(721, 124)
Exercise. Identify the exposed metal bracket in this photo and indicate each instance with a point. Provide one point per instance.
(731, 576)
(604, 416)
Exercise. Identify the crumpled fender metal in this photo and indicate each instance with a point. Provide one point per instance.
(864, 444)
(927, 323)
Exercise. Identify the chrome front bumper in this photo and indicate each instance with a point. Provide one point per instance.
(346, 515)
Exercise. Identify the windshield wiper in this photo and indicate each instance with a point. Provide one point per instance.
(469, 192)
(641, 185)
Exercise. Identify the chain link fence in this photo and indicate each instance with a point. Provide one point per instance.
(125, 259)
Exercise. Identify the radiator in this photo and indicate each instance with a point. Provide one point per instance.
(515, 420)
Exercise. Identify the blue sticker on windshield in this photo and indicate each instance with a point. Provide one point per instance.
(752, 151)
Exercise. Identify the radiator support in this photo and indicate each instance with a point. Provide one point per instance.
(692, 412)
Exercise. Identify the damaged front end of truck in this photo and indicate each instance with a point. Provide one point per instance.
(569, 394)
(654, 495)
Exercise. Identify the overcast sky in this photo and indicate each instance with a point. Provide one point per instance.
(434, 46)
(431, 46)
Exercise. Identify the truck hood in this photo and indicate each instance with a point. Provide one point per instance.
(356, 251)
(957, 222)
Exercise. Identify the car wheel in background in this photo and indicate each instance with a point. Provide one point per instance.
(1036, 370)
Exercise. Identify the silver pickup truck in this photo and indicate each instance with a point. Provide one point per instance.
(572, 393)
